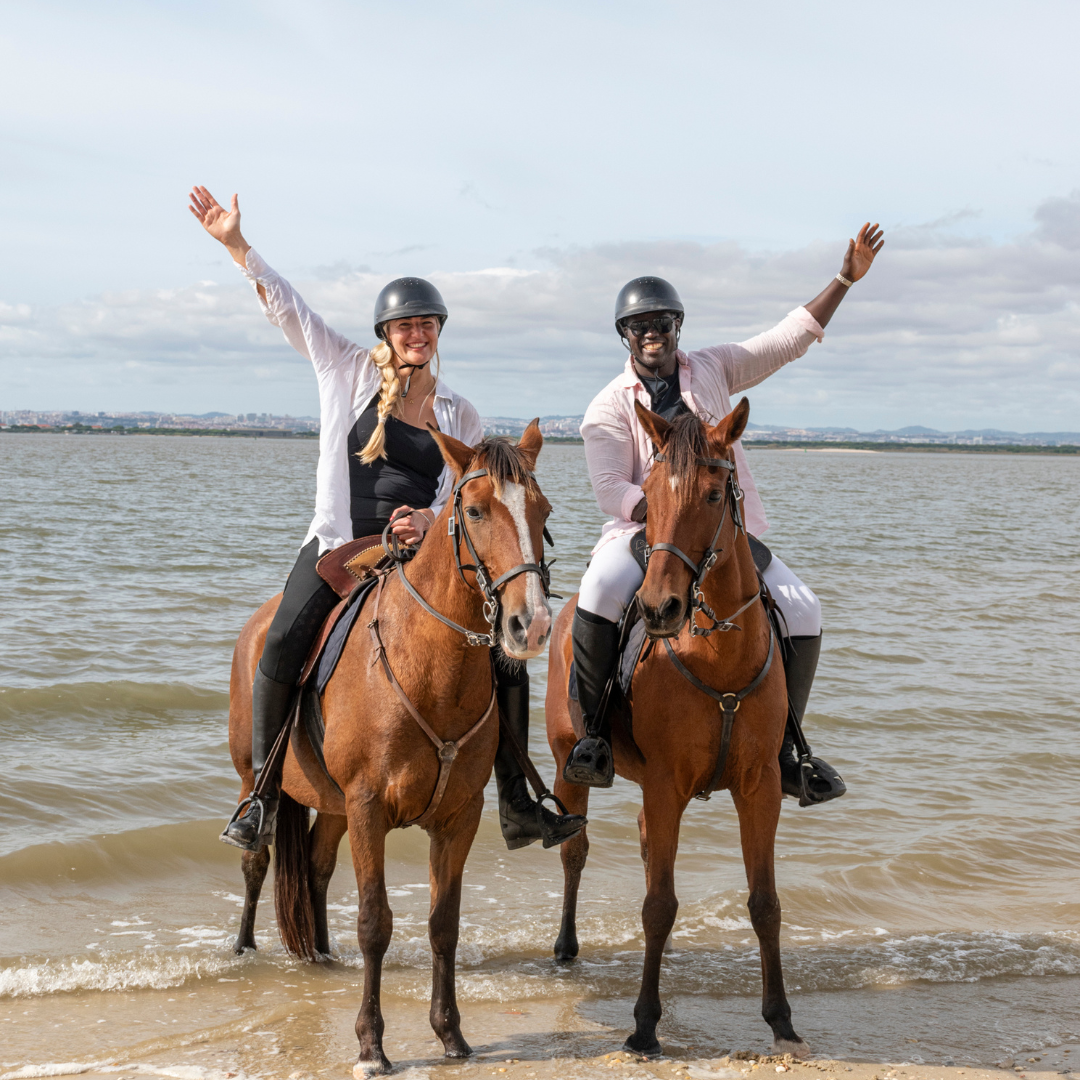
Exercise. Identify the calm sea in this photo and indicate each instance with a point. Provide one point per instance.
(932, 914)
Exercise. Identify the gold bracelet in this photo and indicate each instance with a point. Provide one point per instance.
(844, 281)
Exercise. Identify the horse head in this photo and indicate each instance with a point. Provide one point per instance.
(689, 494)
(503, 512)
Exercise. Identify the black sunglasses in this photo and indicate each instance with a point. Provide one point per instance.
(661, 323)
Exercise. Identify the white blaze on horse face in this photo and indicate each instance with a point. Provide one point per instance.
(513, 498)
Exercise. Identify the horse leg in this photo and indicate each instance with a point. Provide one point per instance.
(661, 816)
(374, 927)
(254, 865)
(326, 835)
(574, 853)
(759, 813)
(450, 845)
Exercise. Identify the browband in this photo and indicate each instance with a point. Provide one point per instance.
(709, 462)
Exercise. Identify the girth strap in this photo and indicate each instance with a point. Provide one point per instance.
(729, 705)
(447, 750)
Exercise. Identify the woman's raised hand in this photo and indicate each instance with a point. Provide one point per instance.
(861, 252)
(221, 224)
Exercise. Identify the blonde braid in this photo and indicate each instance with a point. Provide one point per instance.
(382, 356)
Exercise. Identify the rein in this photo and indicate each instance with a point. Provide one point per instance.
(459, 531)
(732, 497)
(728, 701)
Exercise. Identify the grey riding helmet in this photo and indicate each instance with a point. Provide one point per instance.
(645, 294)
(408, 298)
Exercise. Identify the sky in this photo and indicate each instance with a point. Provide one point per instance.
(529, 159)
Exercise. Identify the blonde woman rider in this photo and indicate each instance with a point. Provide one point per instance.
(376, 460)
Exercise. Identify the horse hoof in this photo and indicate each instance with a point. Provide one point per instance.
(565, 952)
(380, 1066)
(649, 1049)
(797, 1049)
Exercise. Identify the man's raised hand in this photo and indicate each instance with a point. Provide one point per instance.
(860, 253)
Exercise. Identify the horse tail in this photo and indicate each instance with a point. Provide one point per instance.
(292, 890)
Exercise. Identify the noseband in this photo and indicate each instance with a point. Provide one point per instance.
(459, 531)
(732, 497)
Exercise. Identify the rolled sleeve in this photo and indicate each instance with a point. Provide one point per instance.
(752, 361)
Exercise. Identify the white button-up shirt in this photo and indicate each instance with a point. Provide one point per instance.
(348, 380)
(619, 452)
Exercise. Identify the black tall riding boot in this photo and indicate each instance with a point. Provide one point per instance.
(596, 651)
(253, 823)
(524, 821)
(809, 778)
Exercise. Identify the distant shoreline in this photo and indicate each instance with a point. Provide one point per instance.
(569, 440)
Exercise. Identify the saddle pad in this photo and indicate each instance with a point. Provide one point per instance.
(335, 643)
(312, 718)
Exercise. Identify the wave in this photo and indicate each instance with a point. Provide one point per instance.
(25, 707)
(491, 969)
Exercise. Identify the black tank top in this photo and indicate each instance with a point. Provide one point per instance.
(407, 476)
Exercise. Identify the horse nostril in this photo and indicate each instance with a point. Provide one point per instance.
(517, 627)
(670, 611)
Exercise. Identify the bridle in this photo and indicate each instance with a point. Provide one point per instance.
(490, 589)
(733, 495)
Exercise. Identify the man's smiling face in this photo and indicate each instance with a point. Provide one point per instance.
(654, 338)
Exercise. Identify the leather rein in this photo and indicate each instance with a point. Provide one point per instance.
(447, 749)
(728, 701)
(459, 531)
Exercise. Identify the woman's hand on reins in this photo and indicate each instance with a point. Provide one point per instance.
(861, 252)
(223, 225)
(412, 525)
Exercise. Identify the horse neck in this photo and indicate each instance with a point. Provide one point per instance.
(433, 573)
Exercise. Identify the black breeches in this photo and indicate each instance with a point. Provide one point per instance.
(306, 603)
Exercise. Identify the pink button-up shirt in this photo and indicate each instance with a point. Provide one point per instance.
(619, 452)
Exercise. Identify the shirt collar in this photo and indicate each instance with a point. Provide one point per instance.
(632, 381)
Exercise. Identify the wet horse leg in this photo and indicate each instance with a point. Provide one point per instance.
(374, 927)
(759, 813)
(254, 866)
(661, 817)
(326, 836)
(450, 845)
(573, 853)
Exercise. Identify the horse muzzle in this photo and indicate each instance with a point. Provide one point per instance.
(664, 619)
(525, 632)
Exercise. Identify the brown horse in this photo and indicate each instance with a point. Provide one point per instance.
(375, 750)
(675, 745)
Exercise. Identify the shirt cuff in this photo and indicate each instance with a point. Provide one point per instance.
(800, 315)
(256, 269)
(633, 496)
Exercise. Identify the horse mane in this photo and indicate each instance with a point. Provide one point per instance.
(685, 443)
(505, 464)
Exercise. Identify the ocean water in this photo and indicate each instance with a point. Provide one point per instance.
(931, 914)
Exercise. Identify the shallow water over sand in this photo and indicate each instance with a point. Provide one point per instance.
(937, 901)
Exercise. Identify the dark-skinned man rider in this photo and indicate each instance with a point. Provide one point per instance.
(649, 317)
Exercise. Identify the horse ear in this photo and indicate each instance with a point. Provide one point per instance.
(455, 453)
(730, 429)
(530, 442)
(655, 425)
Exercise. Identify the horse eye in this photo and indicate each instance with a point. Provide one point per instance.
(473, 513)
(715, 496)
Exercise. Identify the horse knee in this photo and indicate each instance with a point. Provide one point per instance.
(658, 913)
(764, 908)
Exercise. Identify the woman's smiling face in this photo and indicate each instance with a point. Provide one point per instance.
(413, 340)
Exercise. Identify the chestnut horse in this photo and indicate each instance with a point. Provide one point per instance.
(375, 750)
(693, 506)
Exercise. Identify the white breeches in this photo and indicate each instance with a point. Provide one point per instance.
(613, 577)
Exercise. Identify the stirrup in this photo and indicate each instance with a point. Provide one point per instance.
(590, 763)
(551, 837)
(818, 781)
(267, 818)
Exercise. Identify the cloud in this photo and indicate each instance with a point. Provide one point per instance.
(945, 331)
